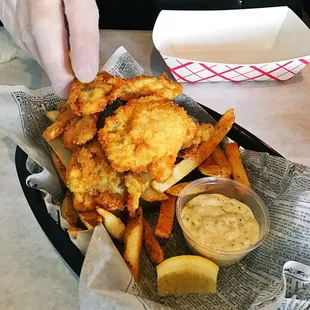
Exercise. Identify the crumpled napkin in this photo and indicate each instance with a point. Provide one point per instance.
(8, 48)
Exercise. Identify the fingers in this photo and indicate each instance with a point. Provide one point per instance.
(51, 41)
(83, 16)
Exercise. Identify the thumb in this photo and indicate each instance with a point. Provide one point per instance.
(83, 16)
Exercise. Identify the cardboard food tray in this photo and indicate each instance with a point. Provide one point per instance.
(60, 239)
(232, 45)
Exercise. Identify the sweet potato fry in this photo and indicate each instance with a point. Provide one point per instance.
(176, 189)
(90, 219)
(52, 115)
(67, 211)
(152, 195)
(166, 217)
(152, 246)
(63, 154)
(73, 231)
(60, 168)
(234, 157)
(133, 242)
(204, 150)
(206, 131)
(219, 158)
(115, 227)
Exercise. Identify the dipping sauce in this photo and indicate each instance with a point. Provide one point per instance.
(220, 222)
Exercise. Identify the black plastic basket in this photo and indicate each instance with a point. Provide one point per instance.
(60, 239)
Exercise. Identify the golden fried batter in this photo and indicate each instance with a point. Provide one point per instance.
(79, 131)
(136, 184)
(84, 202)
(146, 135)
(91, 98)
(90, 173)
(141, 86)
(54, 131)
(108, 201)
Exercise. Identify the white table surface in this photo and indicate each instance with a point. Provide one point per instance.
(32, 274)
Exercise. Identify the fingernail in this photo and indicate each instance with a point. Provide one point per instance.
(85, 66)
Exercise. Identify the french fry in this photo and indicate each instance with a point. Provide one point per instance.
(166, 217)
(90, 219)
(152, 246)
(204, 150)
(182, 169)
(219, 158)
(115, 227)
(67, 211)
(73, 231)
(152, 195)
(63, 154)
(60, 168)
(207, 131)
(133, 243)
(175, 190)
(209, 168)
(52, 115)
(214, 171)
(234, 157)
(208, 161)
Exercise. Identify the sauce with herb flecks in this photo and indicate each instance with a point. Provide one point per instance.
(220, 222)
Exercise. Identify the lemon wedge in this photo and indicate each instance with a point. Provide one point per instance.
(186, 274)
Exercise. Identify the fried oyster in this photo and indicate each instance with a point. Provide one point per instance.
(146, 134)
(93, 181)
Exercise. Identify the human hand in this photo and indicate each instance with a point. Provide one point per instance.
(43, 29)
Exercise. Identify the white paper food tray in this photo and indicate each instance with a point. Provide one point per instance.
(233, 45)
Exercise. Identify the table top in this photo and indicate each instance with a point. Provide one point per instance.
(33, 275)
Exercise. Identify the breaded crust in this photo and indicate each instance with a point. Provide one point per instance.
(90, 173)
(143, 85)
(106, 200)
(54, 131)
(91, 98)
(146, 135)
(79, 131)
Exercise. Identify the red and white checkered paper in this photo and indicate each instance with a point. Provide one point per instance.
(186, 71)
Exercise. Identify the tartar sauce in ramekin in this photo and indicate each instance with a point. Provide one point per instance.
(220, 222)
